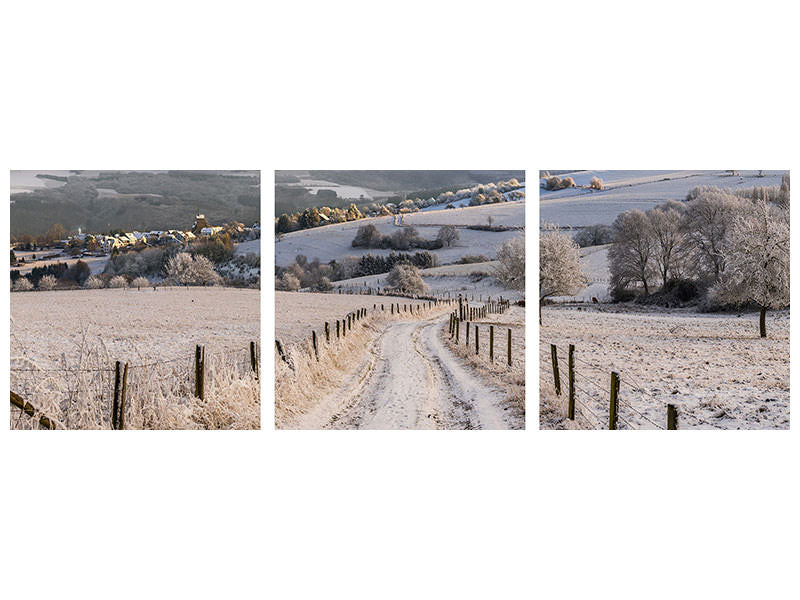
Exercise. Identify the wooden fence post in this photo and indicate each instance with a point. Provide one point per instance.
(476, 340)
(556, 375)
(458, 328)
(253, 362)
(491, 343)
(509, 346)
(466, 343)
(672, 416)
(613, 406)
(280, 349)
(199, 371)
(337, 329)
(571, 409)
(314, 343)
(115, 405)
(121, 419)
(327, 332)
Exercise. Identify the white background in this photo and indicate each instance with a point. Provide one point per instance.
(406, 85)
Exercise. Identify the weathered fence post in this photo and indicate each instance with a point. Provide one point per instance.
(280, 349)
(613, 406)
(571, 409)
(458, 328)
(672, 416)
(253, 362)
(327, 332)
(491, 343)
(466, 343)
(337, 329)
(476, 340)
(115, 405)
(121, 419)
(314, 343)
(556, 375)
(509, 346)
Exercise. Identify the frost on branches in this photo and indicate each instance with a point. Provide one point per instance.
(510, 271)
(183, 269)
(559, 266)
(757, 261)
(406, 278)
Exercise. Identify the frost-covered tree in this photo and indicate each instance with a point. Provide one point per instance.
(23, 284)
(94, 283)
(405, 278)
(708, 217)
(666, 225)
(289, 282)
(510, 271)
(757, 260)
(596, 183)
(118, 282)
(140, 282)
(184, 269)
(559, 265)
(447, 235)
(631, 257)
(48, 282)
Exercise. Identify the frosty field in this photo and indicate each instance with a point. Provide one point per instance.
(714, 367)
(64, 345)
(627, 190)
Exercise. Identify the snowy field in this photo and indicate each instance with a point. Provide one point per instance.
(298, 313)
(248, 247)
(333, 242)
(627, 190)
(473, 280)
(134, 325)
(715, 368)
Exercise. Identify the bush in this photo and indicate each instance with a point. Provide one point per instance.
(23, 284)
(140, 282)
(48, 282)
(511, 271)
(288, 283)
(118, 282)
(405, 278)
(94, 283)
(555, 182)
(596, 183)
(621, 294)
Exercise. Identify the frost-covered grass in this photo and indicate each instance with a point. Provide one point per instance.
(713, 367)
(626, 190)
(64, 345)
(512, 378)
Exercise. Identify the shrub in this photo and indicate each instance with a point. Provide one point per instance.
(288, 283)
(511, 271)
(140, 282)
(48, 282)
(596, 183)
(23, 284)
(183, 269)
(447, 235)
(594, 235)
(118, 282)
(94, 283)
(405, 277)
(556, 183)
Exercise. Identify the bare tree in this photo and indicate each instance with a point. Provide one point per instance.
(559, 266)
(708, 217)
(510, 271)
(667, 230)
(632, 256)
(447, 235)
(183, 269)
(48, 282)
(757, 261)
(289, 282)
(23, 284)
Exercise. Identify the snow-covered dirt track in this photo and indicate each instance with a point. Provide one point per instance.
(408, 379)
(714, 367)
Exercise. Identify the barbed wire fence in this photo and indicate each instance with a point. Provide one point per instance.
(105, 395)
(586, 396)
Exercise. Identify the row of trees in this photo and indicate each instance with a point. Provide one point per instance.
(405, 238)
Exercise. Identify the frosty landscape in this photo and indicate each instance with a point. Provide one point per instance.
(676, 281)
(153, 329)
(398, 364)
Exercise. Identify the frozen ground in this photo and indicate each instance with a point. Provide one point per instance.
(333, 242)
(715, 368)
(133, 325)
(626, 190)
(96, 263)
(475, 280)
(248, 247)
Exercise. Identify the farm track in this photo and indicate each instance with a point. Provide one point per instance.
(408, 379)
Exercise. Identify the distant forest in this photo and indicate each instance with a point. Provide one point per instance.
(152, 201)
(397, 185)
